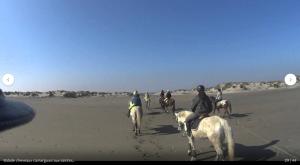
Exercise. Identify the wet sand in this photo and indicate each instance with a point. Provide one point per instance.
(265, 126)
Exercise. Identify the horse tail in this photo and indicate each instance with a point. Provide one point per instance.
(138, 117)
(230, 141)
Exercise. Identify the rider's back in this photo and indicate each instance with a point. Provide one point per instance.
(136, 101)
(219, 95)
(201, 104)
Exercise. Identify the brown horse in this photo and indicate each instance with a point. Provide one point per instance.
(167, 104)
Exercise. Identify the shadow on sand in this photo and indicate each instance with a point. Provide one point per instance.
(246, 153)
(157, 108)
(165, 130)
(240, 114)
(180, 109)
(255, 153)
(154, 113)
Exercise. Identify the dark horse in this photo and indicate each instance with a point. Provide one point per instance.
(223, 104)
(166, 103)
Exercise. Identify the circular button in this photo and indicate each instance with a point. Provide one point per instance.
(290, 79)
(8, 79)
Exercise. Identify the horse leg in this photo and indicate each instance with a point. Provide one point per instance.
(167, 108)
(223, 115)
(192, 149)
(218, 110)
(136, 129)
(215, 140)
(134, 121)
(139, 118)
(189, 149)
(184, 130)
(133, 127)
(148, 105)
(230, 108)
(214, 108)
(228, 113)
(173, 109)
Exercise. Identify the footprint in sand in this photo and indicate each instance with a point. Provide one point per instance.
(138, 148)
(141, 141)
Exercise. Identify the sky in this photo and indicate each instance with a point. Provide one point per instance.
(146, 45)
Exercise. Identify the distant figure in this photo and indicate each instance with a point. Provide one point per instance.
(201, 106)
(161, 99)
(168, 94)
(219, 95)
(162, 93)
(147, 100)
(168, 102)
(136, 112)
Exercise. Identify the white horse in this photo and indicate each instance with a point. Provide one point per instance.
(136, 114)
(214, 128)
(147, 101)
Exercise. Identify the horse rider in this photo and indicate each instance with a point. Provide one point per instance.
(168, 95)
(135, 101)
(162, 94)
(201, 106)
(219, 95)
(146, 97)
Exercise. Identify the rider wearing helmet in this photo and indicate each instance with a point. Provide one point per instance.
(135, 101)
(168, 94)
(219, 95)
(162, 93)
(201, 105)
(147, 96)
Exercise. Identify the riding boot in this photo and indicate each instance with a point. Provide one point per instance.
(188, 129)
(128, 113)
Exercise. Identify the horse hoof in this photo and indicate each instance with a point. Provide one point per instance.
(193, 158)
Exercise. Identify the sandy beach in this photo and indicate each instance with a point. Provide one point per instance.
(265, 127)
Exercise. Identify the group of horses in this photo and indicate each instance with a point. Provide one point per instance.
(167, 104)
(214, 128)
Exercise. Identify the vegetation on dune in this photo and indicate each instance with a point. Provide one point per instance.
(243, 86)
(34, 94)
(84, 94)
(70, 95)
(50, 94)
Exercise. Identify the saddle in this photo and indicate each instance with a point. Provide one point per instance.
(195, 123)
(168, 100)
(221, 103)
